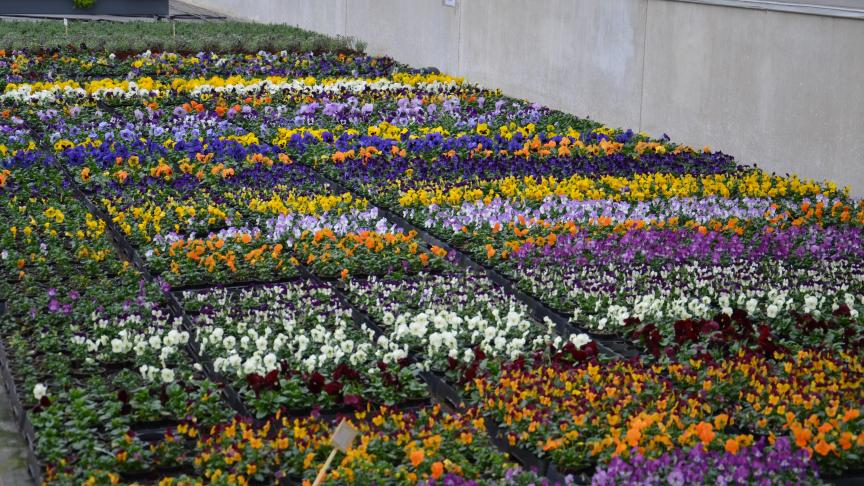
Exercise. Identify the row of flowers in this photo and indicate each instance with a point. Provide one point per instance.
(146, 88)
(22, 66)
(425, 446)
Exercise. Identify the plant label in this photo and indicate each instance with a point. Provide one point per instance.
(343, 436)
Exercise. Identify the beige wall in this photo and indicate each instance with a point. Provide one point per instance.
(564, 54)
(423, 31)
(783, 90)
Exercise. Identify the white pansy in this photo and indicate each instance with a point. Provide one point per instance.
(811, 302)
(310, 363)
(436, 339)
(579, 339)
(167, 375)
(251, 365)
(418, 326)
(500, 343)
(118, 346)
(270, 361)
(216, 335)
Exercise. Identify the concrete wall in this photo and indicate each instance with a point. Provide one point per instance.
(784, 90)
(584, 57)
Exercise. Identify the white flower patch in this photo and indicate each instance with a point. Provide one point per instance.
(301, 327)
(702, 292)
(457, 316)
(151, 338)
(52, 93)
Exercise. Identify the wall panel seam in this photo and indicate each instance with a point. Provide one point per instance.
(459, 71)
(644, 63)
(345, 23)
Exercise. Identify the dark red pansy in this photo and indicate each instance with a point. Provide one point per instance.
(351, 400)
(272, 379)
(842, 311)
(334, 388)
(316, 382)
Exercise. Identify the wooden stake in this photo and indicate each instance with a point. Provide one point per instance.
(66, 26)
(341, 440)
(174, 29)
(323, 472)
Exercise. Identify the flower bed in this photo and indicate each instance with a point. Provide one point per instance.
(753, 464)
(294, 345)
(189, 298)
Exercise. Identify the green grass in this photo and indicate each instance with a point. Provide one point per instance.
(106, 36)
